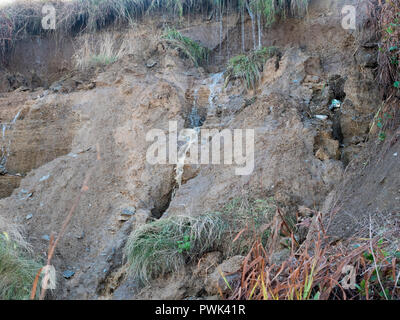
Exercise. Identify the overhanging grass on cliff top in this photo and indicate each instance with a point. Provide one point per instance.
(23, 18)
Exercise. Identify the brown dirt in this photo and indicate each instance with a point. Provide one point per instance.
(299, 159)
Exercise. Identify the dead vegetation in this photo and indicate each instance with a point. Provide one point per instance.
(23, 19)
(358, 269)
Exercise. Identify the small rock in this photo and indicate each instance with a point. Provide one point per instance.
(129, 211)
(22, 88)
(141, 217)
(46, 237)
(44, 178)
(3, 170)
(123, 218)
(151, 63)
(208, 263)
(321, 117)
(68, 274)
(29, 216)
(395, 154)
(230, 269)
(28, 196)
(81, 236)
(321, 154)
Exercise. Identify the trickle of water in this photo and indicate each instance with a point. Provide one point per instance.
(6, 144)
(15, 118)
(214, 91)
(220, 30)
(253, 25)
(191, 136)
(194, 117)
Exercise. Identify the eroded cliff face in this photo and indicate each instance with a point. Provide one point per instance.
(302, 147)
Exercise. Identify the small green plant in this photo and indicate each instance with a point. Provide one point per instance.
(189, 48)
(380, 280)
(249, 67)
(381, 120)
(185, 244)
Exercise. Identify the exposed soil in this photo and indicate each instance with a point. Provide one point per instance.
(302, 147)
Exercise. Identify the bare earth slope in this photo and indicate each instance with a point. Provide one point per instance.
(300, 159)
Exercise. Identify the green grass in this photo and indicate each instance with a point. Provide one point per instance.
(17, 270)
(166, 245)
(271, 9)
(189, 48)
(102, 60)
(248, 67)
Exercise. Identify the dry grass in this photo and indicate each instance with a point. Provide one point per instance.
(96, 50)
(314, 270)
(22, 19)
(13, 231)
(106, 47)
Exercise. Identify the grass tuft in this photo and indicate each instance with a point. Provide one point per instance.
(165, 245)
(249, 67)
(189, 48)
(272, 9)
(99, 50)
(17, 268)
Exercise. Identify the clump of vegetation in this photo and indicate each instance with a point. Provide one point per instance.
(24, 18)
(320, 270)
(167, 244)
(278, 8)
(189, 48)
(99, 50)
(387, 20)
(249, 66)
(389, 51)
(17, 269)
